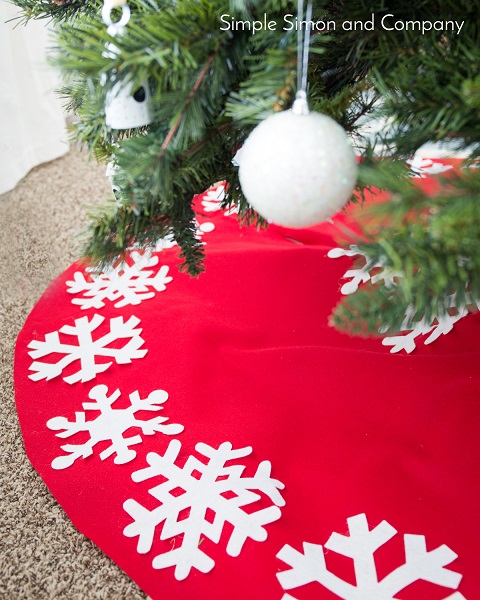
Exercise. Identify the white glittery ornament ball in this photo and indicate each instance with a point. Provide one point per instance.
(297, 169)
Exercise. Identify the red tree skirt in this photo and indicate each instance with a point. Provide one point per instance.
(217, 439)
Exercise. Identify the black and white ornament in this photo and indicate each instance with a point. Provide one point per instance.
(126, 106)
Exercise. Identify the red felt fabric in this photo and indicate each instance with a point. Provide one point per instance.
(246, 355)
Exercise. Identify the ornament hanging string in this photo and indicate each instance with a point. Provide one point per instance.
(300, 106)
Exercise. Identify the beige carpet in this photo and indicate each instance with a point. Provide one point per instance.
(42, 555)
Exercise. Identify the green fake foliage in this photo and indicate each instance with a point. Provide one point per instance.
(211, 87)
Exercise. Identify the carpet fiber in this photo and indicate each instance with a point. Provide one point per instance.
(42, 555)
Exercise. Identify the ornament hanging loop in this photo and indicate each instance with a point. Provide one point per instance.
(300, 106)
(107, 9)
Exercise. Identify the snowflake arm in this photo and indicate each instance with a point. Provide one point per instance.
(121, 330)
(421, 167)
(309, 567)
(363, 274)
(184, 559)
(79, 284)
(137, 282)
(360, 546)
(52, 345)
(70, 428)
(338, 252)
(436, 327)
(212, 201)
(445, 324)
(83, 330)
(94, 292)
(407, 341)
(252, 526)
(357, 275)
(145, 521)
(161, 465)
(421, 565)
(152, 403)
(262, 481)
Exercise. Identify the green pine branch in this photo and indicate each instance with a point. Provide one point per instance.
(211, 87)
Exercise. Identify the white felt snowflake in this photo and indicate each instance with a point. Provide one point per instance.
(435, 326)
(86, 349)
(125, 284)
(110, 425)
(421, 167)
(410, 330)
(219, 489)
(360, 545)
(165, 243)
(370, 271)
(212, 201)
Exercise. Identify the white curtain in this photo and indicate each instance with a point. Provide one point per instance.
(32, 122)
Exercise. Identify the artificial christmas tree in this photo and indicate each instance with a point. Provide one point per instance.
(216, 68)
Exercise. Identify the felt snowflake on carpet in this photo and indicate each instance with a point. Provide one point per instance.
(212, 201)
(125, 284)
(110, 425)
(406, 339)
(219, 490)
(86, 349)
(360, 545)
